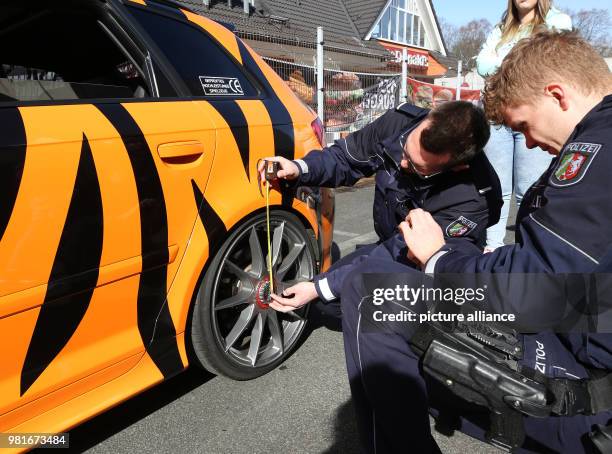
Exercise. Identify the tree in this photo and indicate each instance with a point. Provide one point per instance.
(449, 33)
(466, 41)
(594, 25)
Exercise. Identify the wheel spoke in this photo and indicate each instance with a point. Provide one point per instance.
(289, 260)
(256, 335)
(295, 315)
(238, 272)
(245, 318)
(281, 286)
(256, 253)
(239, 298)
(276, 331)
(277, 241)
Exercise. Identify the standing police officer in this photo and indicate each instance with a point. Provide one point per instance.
(427, 159)
(556, 89)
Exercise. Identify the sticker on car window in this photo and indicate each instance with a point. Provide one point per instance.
(221, 86)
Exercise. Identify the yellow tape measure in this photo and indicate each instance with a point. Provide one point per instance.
(268, 232)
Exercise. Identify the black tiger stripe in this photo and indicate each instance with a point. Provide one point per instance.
(154, 320)
(282, 124)
(234, 117)
(215, 229)
(12, 160)
(78, 253)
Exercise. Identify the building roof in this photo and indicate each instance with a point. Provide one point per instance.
(363, 13)
(296, 22)
(449, 61)
(437, 20)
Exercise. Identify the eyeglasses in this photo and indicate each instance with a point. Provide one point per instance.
(413, 167)
(418, 173)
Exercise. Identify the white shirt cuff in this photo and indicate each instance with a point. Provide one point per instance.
(324, 289)
(430, 266)
(302, 164)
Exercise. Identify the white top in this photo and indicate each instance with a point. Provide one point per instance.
(490, 57)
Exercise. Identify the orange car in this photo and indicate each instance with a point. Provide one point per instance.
(132, 228)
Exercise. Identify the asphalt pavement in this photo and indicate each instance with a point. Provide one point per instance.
(302, 407)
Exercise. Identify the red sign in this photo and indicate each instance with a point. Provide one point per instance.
(417, 58)
(429, 95)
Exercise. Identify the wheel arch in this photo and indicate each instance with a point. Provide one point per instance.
(183, 315)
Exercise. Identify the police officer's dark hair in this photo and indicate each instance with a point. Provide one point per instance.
(457, 127)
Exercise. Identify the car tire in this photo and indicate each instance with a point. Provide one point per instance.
(233, 332)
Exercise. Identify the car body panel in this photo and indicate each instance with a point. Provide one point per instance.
(113, 215)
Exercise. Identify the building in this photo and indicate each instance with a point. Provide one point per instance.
(360, 35)
(413, 25)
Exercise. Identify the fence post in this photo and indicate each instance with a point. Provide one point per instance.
(404, 93)
(458, 85)
(320, 80)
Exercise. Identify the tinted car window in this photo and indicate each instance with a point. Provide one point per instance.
(39, 64)
(202, 62)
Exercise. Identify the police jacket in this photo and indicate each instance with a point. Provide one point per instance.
(564, 226)
(463, 202)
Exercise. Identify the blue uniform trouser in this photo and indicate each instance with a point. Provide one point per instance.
(393, 399)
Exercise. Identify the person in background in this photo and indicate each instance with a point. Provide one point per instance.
(516, 166)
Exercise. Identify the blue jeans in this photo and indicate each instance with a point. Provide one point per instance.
(517, 167)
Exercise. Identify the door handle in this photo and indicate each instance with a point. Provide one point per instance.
(180, 152)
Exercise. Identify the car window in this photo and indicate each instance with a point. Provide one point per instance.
(206, 68)
(52, 53)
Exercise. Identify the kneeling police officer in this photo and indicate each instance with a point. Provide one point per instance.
(422, 159)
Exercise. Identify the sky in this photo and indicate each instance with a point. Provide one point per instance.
(460, 13)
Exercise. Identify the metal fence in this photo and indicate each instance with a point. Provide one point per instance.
(351, 97)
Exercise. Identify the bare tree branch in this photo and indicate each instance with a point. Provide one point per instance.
(469, 40)
(594, 25)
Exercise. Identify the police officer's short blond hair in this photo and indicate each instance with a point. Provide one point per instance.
(536, 61)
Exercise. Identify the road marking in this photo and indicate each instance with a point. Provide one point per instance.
(343, 233)
(366, 238)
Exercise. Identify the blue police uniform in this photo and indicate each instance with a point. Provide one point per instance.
(463, 202)
(564, 226)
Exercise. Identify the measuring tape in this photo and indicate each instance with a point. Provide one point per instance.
(268, 232)
(271, 169)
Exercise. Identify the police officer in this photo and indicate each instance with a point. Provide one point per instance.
(421, 158)
(557, 90)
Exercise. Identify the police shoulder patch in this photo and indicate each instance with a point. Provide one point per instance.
(574, 163)
(460, 227)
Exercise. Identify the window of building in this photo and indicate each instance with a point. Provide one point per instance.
(205, 67)
(401, 22)
(421, 34)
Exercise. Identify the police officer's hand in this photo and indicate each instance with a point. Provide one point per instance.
(422, 234)
(294, 297)
(288, 169)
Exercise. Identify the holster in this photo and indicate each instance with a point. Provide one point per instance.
(602, 438)
(479, 364)
(481, 381)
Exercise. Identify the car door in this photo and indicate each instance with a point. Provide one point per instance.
(98, 158)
